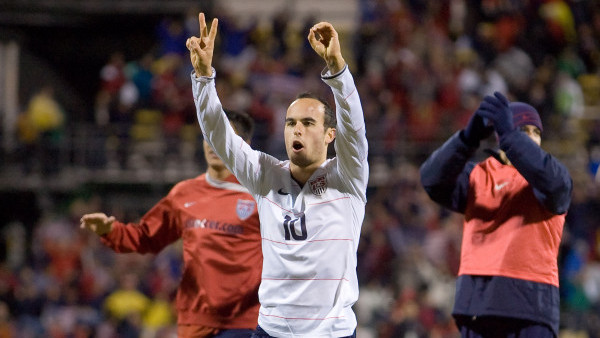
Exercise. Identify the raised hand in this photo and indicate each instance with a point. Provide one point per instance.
(496, 109)
(325, 41)
(202, 48)
(477, 129)
(97, 222)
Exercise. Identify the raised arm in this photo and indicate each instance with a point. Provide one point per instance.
(235, 153)
(351, 142)
(550, 179)
(445, 173)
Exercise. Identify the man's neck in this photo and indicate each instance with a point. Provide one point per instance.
(217, 173)
(302, 174)
(504, 158)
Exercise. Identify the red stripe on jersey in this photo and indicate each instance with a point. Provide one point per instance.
(352, 92)
(282, 208)
(337, 199)
(315, 240)
(322, 279)
(262, 314)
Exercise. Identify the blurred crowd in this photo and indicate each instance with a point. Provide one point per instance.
(422, 67)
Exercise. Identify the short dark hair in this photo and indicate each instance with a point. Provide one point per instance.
(242, 123)
(329, 118)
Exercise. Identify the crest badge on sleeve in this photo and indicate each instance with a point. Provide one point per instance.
(318, 185)
(244, 209)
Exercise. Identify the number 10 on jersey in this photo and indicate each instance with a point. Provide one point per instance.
(289, 226)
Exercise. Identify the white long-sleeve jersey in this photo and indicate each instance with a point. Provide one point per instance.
(309, 234)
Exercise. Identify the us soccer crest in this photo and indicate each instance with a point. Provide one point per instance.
(318, 185)
(244, 209)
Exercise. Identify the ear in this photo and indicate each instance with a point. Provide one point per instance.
(329, 135)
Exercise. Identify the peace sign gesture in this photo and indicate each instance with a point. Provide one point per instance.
(201, 49)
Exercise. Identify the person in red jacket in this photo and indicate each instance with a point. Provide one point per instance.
(514, 203)
(218, 221)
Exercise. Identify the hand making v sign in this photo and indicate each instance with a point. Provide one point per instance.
(201, 49)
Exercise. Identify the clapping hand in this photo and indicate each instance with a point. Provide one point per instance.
(495, 108)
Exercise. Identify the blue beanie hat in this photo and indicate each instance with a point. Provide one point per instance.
(524, 114)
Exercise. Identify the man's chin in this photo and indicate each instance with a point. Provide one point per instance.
(217, 166)
(299, 160)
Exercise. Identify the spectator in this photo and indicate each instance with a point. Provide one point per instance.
(46, 120)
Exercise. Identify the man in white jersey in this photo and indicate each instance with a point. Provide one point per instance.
(311, 208)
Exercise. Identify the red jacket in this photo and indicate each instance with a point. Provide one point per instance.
(514, 216)
(507, 232)
(218, 222)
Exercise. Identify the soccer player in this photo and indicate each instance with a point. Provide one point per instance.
(514, 204)
(218, 221)
(311, 208)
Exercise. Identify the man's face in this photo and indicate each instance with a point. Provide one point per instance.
(306, 138)
(533, 132)
(212, 160)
